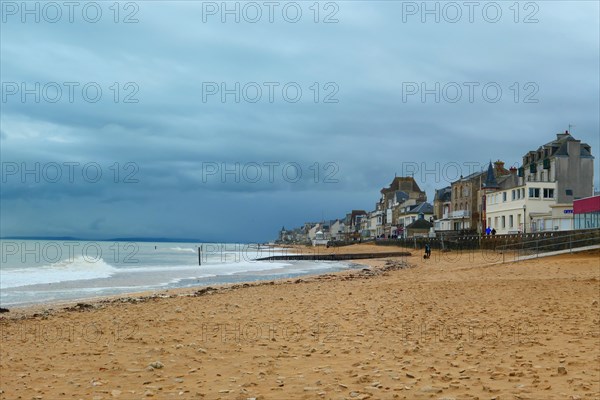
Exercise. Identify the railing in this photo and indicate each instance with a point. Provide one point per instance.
(460, 214)
(546, 244)
(534, 242)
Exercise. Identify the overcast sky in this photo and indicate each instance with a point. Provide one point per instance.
(204, 123)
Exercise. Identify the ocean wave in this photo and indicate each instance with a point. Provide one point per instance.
(62, 271)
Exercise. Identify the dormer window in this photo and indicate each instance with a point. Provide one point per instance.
(546, 163)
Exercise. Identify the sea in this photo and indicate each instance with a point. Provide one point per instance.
(46, 271)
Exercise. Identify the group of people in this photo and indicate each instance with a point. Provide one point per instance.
(490, 231)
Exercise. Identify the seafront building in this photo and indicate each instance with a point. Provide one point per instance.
(402, 195)
(337, 229)
(459, 207)
(412, 213)
(354, 224)
(539, 196)
(442, 205)
(551, 191)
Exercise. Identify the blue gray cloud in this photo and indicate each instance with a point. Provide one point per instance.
(171, 134)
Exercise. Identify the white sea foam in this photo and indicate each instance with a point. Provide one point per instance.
(186, 249)
(62, 271)
(173, 265)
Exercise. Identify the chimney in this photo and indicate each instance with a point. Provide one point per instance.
(513, 170)
(498, 167)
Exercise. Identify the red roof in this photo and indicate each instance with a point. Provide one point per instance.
(587, 205)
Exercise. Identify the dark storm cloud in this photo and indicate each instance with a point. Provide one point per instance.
(347, 151)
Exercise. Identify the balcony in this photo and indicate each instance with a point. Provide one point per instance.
(460, 214)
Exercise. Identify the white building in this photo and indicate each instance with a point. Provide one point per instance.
(337, 230)
(540, 197)
(526, 208)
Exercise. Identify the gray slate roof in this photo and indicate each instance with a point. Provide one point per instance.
(424, 208)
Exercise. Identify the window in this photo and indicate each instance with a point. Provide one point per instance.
(503, 196)
(548, 193)
(513, 195)
(511, 221)
(569, 192)
(489, 221)
(546, 163)
(503, 221)
(534, 193)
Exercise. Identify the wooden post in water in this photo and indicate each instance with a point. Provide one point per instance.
(200, 255)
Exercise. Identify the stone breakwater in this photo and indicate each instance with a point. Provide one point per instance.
(336, 257)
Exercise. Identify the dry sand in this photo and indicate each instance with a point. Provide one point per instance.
(457, 326)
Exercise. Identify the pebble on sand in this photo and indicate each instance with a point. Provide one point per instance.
(562, 370)
(156, 365)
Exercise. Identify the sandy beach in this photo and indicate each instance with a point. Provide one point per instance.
(456, 326)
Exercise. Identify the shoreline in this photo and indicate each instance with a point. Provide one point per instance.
(300, 254)
(25, 311)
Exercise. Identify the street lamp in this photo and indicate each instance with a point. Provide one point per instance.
(524, 218)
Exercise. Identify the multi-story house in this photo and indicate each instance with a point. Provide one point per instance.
(466, 210)
(539, 195)
(402, 191)
(373, 224)
(285, 236)
(353, 224)
(337, 229)
(565, 161)
(442, 205)
(412, 213)
(364, 226)
(296, 235)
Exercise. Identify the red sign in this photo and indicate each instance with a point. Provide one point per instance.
(587, 205)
